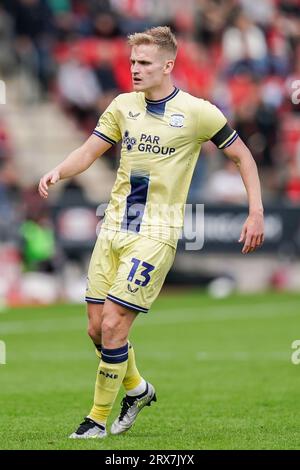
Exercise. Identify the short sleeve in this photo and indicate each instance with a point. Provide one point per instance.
(108, 128)
(213, 126)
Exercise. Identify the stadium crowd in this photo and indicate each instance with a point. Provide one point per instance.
(242, 55)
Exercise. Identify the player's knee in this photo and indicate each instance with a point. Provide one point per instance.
(113, 329)
(95, 318)
(91, 332)
(94, 331)
(110, 327)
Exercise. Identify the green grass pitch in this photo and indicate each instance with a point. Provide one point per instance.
(222, 370)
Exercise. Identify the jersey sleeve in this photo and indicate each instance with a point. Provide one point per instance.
(214, 126)
(107, 127)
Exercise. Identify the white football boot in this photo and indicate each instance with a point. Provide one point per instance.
(130, 408)
(89, 429)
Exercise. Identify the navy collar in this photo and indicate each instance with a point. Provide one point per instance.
(163, 100)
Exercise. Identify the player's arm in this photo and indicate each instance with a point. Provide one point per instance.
(76, 162)
(252, 234)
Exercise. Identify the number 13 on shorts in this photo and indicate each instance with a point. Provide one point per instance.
(145, 273)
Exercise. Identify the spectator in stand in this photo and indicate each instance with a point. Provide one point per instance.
(7, 56)
(260, 12)
(38, 246)
(290, 11)
(78, 49)
(9, 190)
(79, 89)
(105, 26)
(226, 186)
(257, 123)
(210, 21)
(33, 28)
(244, 47)
(280, 51)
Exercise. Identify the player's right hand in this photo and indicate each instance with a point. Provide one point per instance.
(50, 178)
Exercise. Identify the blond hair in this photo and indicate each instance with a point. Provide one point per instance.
(161, 36)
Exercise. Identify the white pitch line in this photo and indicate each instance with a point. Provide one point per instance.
(228, 312)
(37, 326)
(65, 356)
(240, 356)
(243, 356)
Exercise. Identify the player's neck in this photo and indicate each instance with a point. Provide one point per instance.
(156, 94)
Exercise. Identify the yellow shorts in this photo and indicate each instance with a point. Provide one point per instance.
(128, 269)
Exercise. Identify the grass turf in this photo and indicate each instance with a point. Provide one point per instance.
(222, 370)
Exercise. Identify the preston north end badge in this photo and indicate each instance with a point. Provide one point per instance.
(176, 120)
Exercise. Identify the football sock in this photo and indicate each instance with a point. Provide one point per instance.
(98, 348)
(139, 390)
(133, 382)
(110, 374)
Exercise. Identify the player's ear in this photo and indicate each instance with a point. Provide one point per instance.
(169, 64)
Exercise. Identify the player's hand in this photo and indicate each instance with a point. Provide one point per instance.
(50, 178)
(252, 234)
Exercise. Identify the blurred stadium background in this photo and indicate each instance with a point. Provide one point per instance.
(61, 63)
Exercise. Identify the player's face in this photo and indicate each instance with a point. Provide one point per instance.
(149, 67)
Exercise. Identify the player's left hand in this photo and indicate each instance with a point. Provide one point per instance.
(252, 234)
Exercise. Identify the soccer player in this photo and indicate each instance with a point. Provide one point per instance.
(161, 128)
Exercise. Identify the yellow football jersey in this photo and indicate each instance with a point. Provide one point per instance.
(161, 142)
